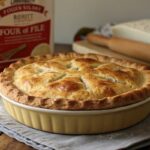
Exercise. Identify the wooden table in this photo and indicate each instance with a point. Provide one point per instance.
(7, 143)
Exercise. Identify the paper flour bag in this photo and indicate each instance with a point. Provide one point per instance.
(26, 28)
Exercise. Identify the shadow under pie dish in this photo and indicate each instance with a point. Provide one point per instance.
(76, 94)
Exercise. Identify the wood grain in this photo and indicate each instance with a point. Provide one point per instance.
(7, 143)
(127, 47)
(86, 47)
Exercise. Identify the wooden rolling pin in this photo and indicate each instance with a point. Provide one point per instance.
(128, 47)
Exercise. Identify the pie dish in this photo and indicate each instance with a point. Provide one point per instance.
(78, 122)
(75, 82)
(75, 93)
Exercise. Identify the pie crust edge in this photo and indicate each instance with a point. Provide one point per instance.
(8, 89)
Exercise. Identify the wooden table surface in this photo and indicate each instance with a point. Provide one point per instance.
(7, 143)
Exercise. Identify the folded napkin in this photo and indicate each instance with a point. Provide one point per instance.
(138, 135)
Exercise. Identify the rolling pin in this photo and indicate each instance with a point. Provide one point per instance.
(131, 48)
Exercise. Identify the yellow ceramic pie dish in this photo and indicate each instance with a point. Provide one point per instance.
(76, 94)
(78, 122)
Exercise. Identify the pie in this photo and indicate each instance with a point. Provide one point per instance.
(75, 82)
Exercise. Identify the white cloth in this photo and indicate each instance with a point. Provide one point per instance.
(48, 141)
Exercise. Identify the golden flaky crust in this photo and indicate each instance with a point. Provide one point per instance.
(75, 82)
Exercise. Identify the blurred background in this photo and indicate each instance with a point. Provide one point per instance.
(71, 15)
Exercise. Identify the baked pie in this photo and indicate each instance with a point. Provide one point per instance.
(75, 82)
